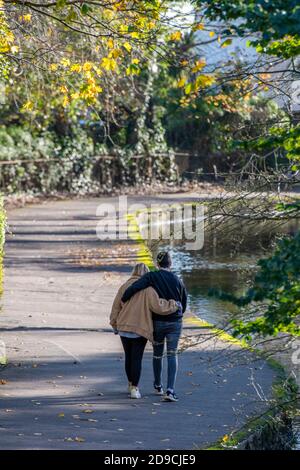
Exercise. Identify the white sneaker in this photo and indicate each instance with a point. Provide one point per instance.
(129, 387)
(135, 393)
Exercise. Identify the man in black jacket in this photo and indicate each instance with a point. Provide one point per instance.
(167, 327)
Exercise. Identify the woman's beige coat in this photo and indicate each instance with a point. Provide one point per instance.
(136, 315)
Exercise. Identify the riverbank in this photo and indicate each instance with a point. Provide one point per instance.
(2, 237)
(64, 385)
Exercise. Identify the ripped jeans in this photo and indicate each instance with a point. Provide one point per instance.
(166, 332)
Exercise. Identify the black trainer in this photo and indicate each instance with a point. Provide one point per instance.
(170, 396)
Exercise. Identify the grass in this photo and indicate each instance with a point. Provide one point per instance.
(2, 238)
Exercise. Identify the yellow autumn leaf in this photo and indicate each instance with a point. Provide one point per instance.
(199, 64)
(28, 106)
(63, 89)
(26, 17)
(189, 88)
(181, 82)
(133, 69)
(135, 61)
(204, 81)
(109, 63)
(176, 36)
(110, 43)
(4, 48)
(98, 70)
(226, 43)
(212, 33)
(53, 67)
(127, 46)
(76, 68)
(65, 101)
(75, 95)
(87, 66)
(135, 35)
(198, 27)
(65, 62)
(151, 25)
(115, 53)
(123, 29)
(225, 438)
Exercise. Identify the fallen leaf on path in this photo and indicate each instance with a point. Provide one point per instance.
(61, 415)
(79, 439)
(88, 411)
(3, 382)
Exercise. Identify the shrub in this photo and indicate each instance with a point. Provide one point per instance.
(2, 234)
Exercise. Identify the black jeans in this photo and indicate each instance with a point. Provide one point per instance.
(134, 350)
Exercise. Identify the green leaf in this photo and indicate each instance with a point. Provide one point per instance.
(61, 3)
(84, 9)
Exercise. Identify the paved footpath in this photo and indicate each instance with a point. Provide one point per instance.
(64, 385)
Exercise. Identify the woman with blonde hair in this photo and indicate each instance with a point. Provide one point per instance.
(133, 322)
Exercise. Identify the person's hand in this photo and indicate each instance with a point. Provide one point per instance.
(179, 305)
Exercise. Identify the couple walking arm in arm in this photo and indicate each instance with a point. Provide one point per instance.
(150, 306)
